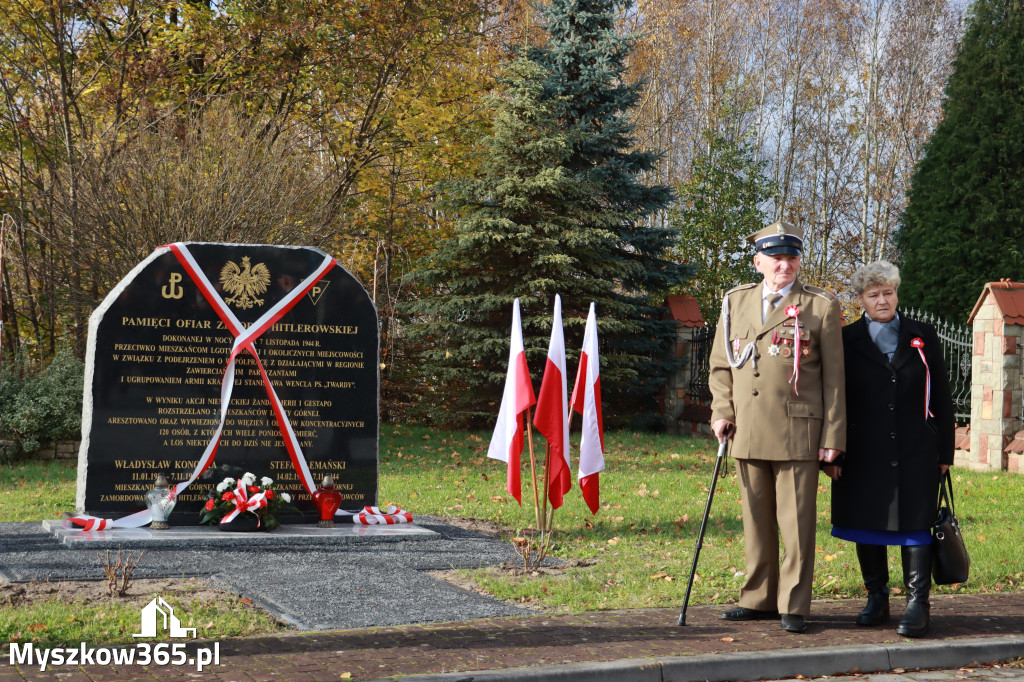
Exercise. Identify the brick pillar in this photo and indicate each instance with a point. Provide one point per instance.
(995, 388)
(679, 382)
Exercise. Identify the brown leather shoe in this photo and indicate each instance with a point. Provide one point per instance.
(743, 613)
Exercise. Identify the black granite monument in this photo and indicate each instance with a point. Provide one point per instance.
(156, 361)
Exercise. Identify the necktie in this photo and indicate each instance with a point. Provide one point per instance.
(773, 300)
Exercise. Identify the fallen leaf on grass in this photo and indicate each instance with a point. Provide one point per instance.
(345, 676)
(727, 639)
(246, 601)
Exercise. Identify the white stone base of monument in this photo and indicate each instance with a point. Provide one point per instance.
(198, 537)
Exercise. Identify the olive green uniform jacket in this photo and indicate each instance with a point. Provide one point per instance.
(772, 421)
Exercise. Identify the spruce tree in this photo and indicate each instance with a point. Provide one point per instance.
(508, 244)
(964, 223)
(559, 207)
(617, 241)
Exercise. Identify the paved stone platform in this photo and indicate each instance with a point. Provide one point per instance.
(211, 538)
(313, 579)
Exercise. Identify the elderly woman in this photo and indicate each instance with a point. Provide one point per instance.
(899, 443)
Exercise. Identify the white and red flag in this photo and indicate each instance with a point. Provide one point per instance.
(586, 399)
(552, 414)
(507, 440)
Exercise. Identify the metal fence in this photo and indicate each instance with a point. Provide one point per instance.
(957, 350)
(700, 365)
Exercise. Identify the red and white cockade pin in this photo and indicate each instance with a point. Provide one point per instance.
(794, 312)
(918, 343)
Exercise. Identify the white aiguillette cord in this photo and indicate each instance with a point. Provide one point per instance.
(244, 339)
(748, 352)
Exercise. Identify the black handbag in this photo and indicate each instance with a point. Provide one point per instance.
(950, 562)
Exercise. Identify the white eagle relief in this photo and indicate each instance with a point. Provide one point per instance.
(244, 283)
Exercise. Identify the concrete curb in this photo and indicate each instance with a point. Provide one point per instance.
(755, 665)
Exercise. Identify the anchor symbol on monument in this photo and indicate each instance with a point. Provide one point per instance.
(172, 290)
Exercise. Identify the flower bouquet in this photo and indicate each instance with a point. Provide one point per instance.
(244, 499)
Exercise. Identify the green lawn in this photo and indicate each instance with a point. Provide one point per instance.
(638, 548)
(653, 493)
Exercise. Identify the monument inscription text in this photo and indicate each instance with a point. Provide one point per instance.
(156, 364)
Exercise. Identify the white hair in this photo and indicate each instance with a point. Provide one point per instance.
(875, 274)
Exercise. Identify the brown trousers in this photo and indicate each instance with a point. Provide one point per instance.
(778, 496)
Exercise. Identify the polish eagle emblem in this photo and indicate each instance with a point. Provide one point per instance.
(244, 283)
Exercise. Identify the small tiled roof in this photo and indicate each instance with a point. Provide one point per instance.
(1017, 444)
(1008, 297)
(685, 311)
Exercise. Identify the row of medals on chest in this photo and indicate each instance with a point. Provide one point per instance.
(783, 346)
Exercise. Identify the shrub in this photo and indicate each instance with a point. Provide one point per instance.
(42, 406)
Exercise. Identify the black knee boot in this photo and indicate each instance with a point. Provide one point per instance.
(875, 570)
(917, 575)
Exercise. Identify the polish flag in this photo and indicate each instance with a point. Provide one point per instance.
(507, 441)
(552, 415)
(586, 399)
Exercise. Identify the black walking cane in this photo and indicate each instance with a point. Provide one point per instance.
(703, 525)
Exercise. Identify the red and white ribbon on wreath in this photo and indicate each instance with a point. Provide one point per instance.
(244, 339)
(794, 312)
(918, 343)
(371, 516)
(243, 503)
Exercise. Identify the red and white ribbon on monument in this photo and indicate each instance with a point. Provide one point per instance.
(244, 339)
(918, 343)
(371, 516)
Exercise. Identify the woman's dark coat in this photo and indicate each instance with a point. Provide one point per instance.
(890, 472)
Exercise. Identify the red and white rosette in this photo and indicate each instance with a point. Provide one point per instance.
(372, 516)
(243, 503)
(918, 343)
(794, 312)
(244, 340)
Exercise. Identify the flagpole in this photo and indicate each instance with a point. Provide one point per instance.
(533, 469)
(547, 491)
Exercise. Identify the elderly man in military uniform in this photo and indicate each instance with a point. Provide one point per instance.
(779, 393)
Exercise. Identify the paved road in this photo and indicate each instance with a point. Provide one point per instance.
(993, 673)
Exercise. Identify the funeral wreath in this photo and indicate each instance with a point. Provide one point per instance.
(234, 498)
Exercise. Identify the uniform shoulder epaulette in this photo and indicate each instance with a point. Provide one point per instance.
(742, 287)
(818, 291)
